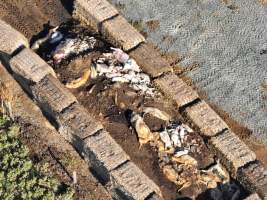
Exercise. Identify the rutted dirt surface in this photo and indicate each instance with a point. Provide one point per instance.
(32, 16)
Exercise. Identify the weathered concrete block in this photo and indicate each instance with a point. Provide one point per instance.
(30, 66)
(254, 196)
(75, 120)
(176, 89)
(10, 91)
(93, 12)
(131, 183)
(41, 135)
(254, 178)
(10, 39)
(206, 119)
(150, 60)
(103, 153)
(121, 34)
(233, 152)
(52, 96)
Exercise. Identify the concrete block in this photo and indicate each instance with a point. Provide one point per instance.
(10, 39)
(254, 178)
(206, 119)
(150, 60)
(75, 120)
(131, 183)
(52, 96)
(93, 12)
(121, 34)
(254, 196)
(30, 66)
(103, 153)
(176, 89)
(233, 153)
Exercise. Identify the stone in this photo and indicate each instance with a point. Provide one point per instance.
(120, 33)
(52, 96)
(206, 119)
(103, 153)
(10, 39)
(75, 120)
(131, 183)
(254, 178)
(93, 12)
(30, 66)
(150, 60)
(233, 153)
(176, 89)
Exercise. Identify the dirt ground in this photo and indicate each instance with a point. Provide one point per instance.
(62, 161)
(30, 17)
(108, 103)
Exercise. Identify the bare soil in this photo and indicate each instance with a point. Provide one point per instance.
(108, 103)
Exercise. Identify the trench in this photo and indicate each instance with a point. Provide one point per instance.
(114, 102)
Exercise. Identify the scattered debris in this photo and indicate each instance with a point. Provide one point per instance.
(118, 67)
(74, 177)
(52, 37)
(143, 132)
(175, 143)
(72, 46)
(79, 81)
(157, 113)
(176, 156)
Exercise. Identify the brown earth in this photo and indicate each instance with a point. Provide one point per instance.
(33, 16)
(108, 104)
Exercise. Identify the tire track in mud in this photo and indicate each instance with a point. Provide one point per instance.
(30, 16)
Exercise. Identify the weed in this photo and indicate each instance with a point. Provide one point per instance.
(19, 177)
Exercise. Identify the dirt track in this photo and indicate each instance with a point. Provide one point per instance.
(32, 16)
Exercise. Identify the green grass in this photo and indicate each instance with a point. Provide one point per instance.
(20, 178)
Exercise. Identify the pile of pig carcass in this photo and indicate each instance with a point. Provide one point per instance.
(175, 156)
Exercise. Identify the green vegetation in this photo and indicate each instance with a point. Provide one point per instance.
(20, 178)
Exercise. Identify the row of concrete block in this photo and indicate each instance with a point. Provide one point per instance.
(26, 112)
(234, 153)
(105, 157)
